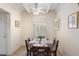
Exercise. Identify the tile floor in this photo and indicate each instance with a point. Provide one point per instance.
(21, 52)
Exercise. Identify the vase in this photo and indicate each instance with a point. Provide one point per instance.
(40, 41)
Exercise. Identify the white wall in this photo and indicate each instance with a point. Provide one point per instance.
(69, 38)
(15, 37)
(28, 20)
(26, 26)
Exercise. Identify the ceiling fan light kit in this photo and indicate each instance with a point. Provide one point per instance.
(38, 8)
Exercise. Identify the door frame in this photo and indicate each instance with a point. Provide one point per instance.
(8, 32)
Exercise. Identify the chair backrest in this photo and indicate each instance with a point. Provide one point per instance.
(54, 41)
(28, 39)
(56, 47)
(26, 43)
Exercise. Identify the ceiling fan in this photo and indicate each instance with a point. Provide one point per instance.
(37, 10)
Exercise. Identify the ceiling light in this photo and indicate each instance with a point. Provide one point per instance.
(36, 13)
(37, 8)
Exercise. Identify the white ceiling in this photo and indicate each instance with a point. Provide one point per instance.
(21, 6)
(44, 6)
(2, 11)
(18, 6)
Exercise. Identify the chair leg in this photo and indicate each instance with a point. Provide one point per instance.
(30, 53)
(33, 53)
(49, 53)
(55, 54)
(27, 53)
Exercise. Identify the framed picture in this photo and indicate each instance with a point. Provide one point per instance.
(17, 23)
(73, 20)
(57, 24)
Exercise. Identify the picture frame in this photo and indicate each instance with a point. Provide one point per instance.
(57, 24)
(17, 23)
(73, 20)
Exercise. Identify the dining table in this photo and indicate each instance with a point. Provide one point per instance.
(36, 46)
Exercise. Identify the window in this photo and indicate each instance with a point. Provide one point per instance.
(39, 29)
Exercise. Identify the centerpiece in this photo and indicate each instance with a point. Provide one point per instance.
(40, 38)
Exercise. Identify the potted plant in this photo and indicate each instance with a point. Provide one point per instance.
(40, 38)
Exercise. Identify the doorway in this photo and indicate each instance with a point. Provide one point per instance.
(4, 32)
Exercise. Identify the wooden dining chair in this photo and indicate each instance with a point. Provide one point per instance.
(54, 41)
(28, 48)
(54, 48)
(28, 39)
(39, 51)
